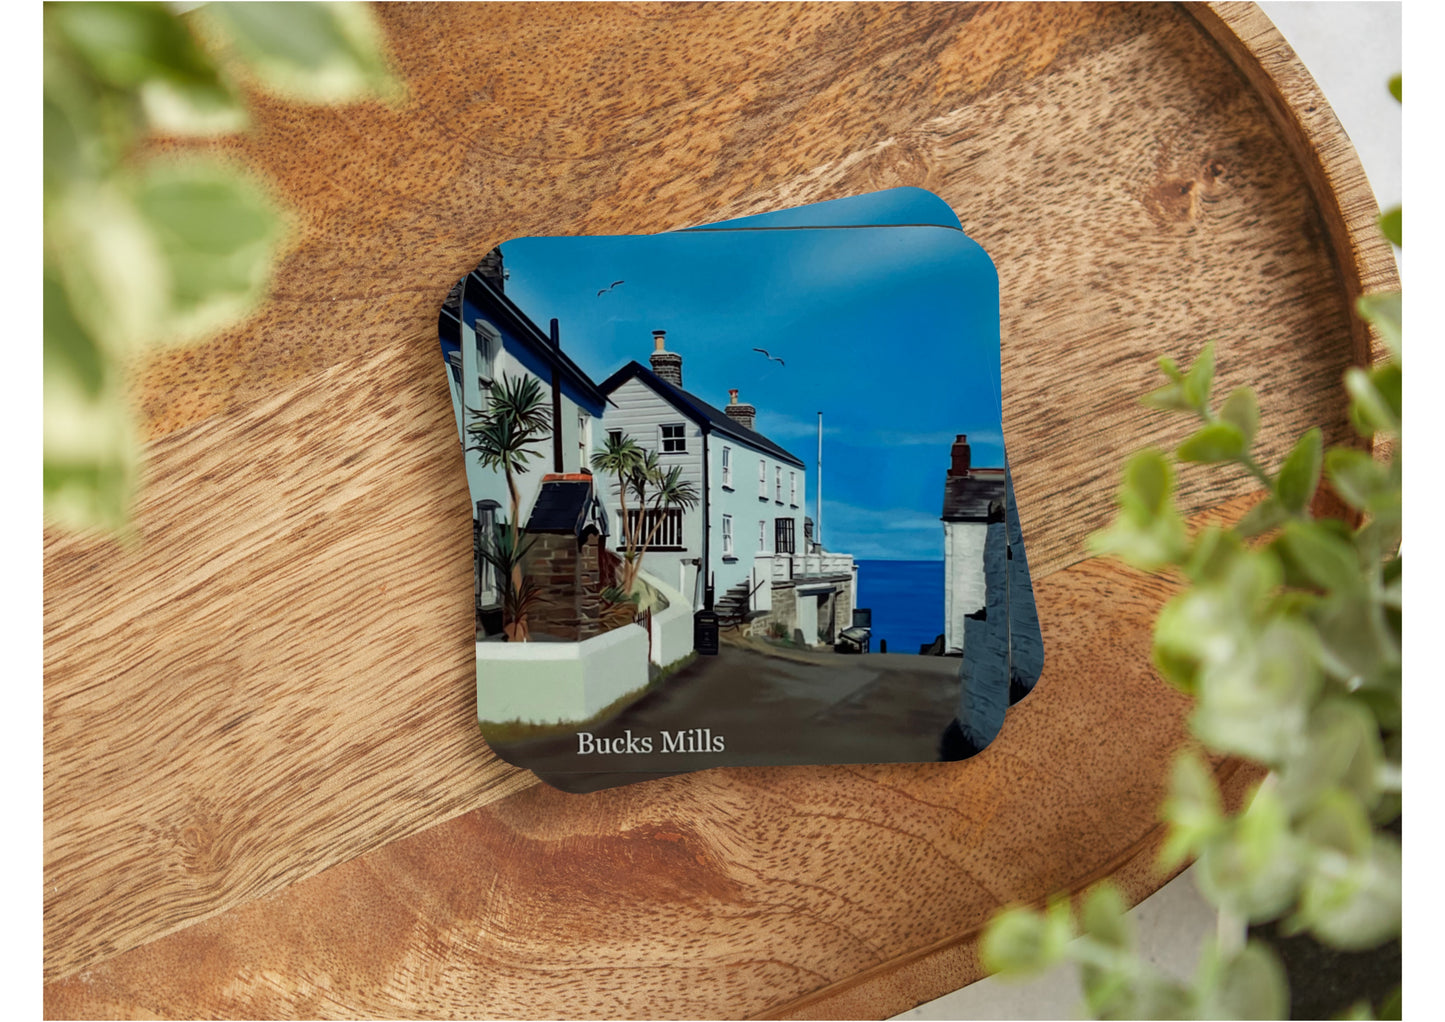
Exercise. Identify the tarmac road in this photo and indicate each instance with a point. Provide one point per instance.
(779, 707)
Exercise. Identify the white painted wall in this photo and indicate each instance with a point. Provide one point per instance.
(559, 682)
(671, 628)
(964, 589)
(637, 410)
(748, 508)
(491, 484)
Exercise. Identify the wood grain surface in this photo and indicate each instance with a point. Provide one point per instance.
(265, 793)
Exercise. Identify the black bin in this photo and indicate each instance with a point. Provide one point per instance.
(862, 617)
(704, 632)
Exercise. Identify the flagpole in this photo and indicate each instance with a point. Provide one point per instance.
(818, 526)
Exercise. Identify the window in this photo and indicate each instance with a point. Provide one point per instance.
(674, 438)
(583, 422)
(489, 342)
(778, 484)
(762, 479)
(783, 535)
(762, 537)
(793, 488)
(484, 538)
(727, 535)
(662, 525)
(727, 460)
(614, 436)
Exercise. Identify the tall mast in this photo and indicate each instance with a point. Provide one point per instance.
(818, 524)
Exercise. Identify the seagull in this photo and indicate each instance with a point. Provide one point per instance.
(771, 358)
(609, 287)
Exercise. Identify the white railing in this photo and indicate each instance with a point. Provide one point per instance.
(788, 566)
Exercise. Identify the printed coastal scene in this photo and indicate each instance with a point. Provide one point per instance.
(739, 497)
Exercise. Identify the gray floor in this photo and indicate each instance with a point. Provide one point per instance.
(1352, 49)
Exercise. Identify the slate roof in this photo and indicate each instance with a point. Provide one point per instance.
(971, 497)
(699, 411)
(566, 504)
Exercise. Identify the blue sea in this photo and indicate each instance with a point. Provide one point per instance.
(906, 598)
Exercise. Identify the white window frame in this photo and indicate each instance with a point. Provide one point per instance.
(727, 536)
(762, 479)
(663, 439)
(727, 468)
(778, 484)
(762, 535)
(793, 488)
(489, 593)
(584, 430)
(489, 344)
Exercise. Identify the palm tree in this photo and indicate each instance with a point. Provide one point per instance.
(503, 436)
(619, 457)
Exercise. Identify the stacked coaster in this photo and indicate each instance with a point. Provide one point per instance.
(740, 494)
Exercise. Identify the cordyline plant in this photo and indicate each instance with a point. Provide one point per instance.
(506, 435)
(1287, 636)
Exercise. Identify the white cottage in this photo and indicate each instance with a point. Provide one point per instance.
(973, 498)
(746, 537)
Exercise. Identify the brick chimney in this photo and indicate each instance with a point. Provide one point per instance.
(667, 364)
(742, 414)
(961, 455)
(490, 269)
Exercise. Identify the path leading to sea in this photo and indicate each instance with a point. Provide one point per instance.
(776, 707)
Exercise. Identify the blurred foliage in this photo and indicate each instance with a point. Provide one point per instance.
(1287, 636)
(144, 249)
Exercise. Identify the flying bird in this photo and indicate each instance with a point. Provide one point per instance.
(609, 287)
(771, 358)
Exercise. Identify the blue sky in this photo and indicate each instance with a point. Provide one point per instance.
(890, 332)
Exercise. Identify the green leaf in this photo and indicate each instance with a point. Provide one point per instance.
(1395, 88)
(1358, 478)
(1216, 442)
(218, 233)
(315, 52)
(1192, 810)
(1353, 902)
(1170, 368)
(1299, 476)
(1168, 398)
(68, 347)
(1376, 399)
(1105, 917)
(1022, 941)
(1241, 410)
(1389, 222)
(1255, 872)
(1148, 532)
(1214, 552)
(1252, 985)
(1342, 751)
(1385, 313)
(1148, 484)
(1336, 822)
(1321, 555)
(1266, 515)
(127, 45)
(1200, 378)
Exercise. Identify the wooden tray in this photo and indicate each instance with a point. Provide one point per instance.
(265, 791)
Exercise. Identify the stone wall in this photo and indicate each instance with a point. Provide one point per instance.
(784, 611)
(567, 572)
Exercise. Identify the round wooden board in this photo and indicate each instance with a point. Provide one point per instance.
(265, 792)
